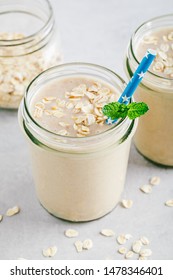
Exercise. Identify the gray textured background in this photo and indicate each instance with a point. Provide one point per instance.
(94, 31)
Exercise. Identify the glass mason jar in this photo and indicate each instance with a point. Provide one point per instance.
(77, 179)
(154, 135)
(29, 44)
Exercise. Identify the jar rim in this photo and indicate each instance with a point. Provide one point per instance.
(145, 23)
(29, 38)
(59, 67)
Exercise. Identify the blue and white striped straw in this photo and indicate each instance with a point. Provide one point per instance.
(135, 80)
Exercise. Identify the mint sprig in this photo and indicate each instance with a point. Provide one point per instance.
(116, 110)
(135, 110)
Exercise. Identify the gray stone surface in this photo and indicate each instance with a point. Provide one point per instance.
(94, 31)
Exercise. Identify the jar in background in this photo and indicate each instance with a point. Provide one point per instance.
(29, 44)
(154, 135)
(77, 179)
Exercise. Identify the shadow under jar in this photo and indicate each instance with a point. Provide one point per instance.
(29, 44)
(154, 135)
(76, 178)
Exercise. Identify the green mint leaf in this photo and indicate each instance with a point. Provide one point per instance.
(135, 110)
(115, 110)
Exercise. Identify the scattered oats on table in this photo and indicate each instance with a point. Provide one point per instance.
(146, 188)
(144, 240)
(127, 203)
(136, 246)
(79, 246)
(142, 258)
(145, 253)
(169, 203)
(13, 211)
(128, 236)
(71, 233)
(122, 250)
(121, 239)
(87, 244)
(49, 252)
(107, 232)
(154, 181)
(129, 255)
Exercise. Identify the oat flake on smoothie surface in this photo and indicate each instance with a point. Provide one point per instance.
(73, 106)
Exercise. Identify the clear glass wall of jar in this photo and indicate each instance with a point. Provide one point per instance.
(29, 44)
(77, 179)
(154, 135)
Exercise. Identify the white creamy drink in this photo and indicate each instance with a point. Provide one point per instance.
(79, 162)
(154, 136)
(72, 106)
(161, 40)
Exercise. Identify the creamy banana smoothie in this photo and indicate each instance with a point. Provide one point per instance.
(154, 136)
(79, 162)
(72, 106)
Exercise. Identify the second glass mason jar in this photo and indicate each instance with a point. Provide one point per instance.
(29, 44)
(77, 179)
(154, 135)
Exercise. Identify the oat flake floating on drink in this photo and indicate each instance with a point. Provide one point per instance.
(130, 89)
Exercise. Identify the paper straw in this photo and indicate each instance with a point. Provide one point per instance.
(136, 79)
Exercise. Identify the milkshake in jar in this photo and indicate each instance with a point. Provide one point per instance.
(154, 135)
(79, 162)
